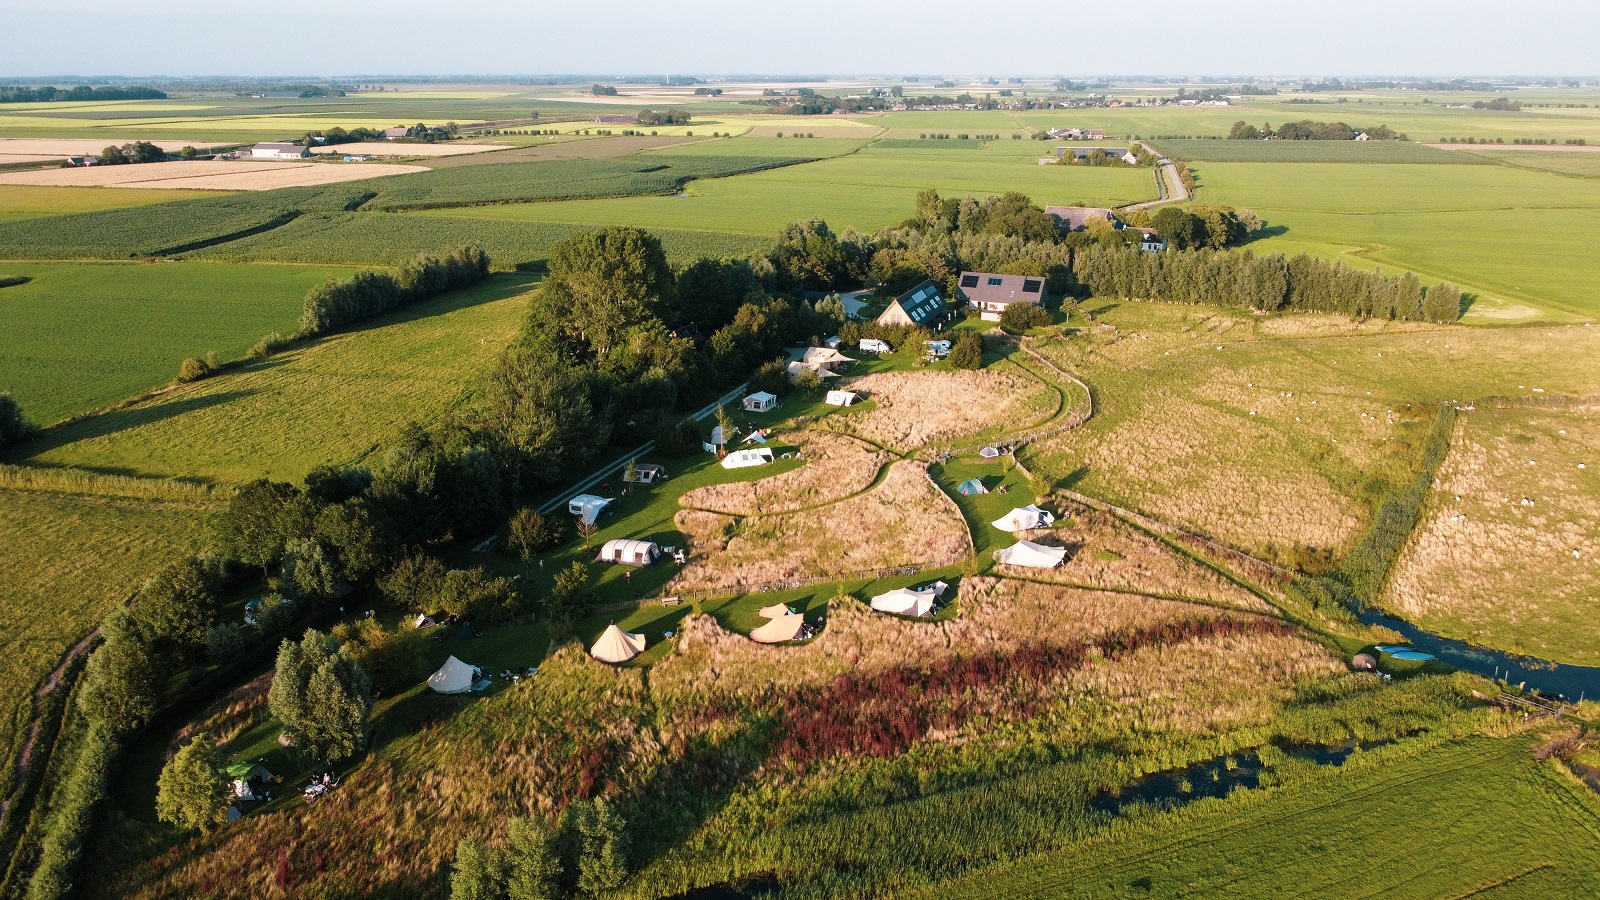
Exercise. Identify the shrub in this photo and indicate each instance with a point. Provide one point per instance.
(570, 596)
(191, 370)
(533, 867)
(191, 792)
(414, 583)
(601, 864)
(679, 438)
(71, 815)
(967, 353)
(274, 614)
(772, 376)
(224, 642)
(269, 345)
(394, 660)
(478, 873)
(475, 594)
(14, 429)
(1019, 317)
(530, 532)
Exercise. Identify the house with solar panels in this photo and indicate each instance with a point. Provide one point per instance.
(990, 293)
(922, 305)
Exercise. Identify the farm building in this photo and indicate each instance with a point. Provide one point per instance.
(588, 507)
(1151, 242)
(990, 293)
(841, 398)
(629, 553)
(1076, 218)
(279, 150)
(1083, 153)
(454, 677)
(760, 401)
(1024, 518)
(645, 473)
(922, 305)
(873, 345)
(617, 646)
(1031, 555)
(614, 120)
(740, 459)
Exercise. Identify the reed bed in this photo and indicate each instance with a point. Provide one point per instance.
(906, 520)
(836, 466)
(915, 409)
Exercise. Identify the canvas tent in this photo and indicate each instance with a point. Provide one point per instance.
(760, 401)
(1024, 518)
(841, 398)
(972, 487)
(423, 620)
(630, 553)
(783, 628)
(454, 677)
(774, 611)
(588, 507)
(739, 459)
(908, 602)
(1031, 555)
(989, 452)
(617, 646)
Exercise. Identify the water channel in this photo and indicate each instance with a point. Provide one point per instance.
(1572, 682)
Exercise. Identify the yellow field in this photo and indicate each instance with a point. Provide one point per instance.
(226, 175)
(384, 148)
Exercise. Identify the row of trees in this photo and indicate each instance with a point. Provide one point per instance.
(1308, 130)
(136, 152)
(1265, 283)
(585, 856)
(337, 135)
(82, 92)
(366, 294)
(664, 117)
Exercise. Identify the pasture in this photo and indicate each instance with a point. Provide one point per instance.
(1500, 824)
(82, 335)
(1489, 228)
(1505, 554)
(1310, 151)
(1278, 433)
(32, 202)
(335, 400)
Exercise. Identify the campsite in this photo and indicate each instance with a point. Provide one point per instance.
(656, 489)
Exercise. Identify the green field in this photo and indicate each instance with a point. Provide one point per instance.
(1310, 151)
(1479, 818)
(865, 190)
(333, 401)
(69, 558)
(24, 201)
(82, 335)
(1525, 240)
(1578, 164)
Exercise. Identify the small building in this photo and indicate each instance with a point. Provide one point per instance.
(645, 473)
(922, 305)
(1150, 241)
(614, 120)
(1361, 136)
(990, 293)
(629, 553)
(841, 398)
(279, 150)
(1076, 218)
(1130, 158)
(1095, 134)
(873, 345)
(588, 507)
(395, 133)
(760, 401)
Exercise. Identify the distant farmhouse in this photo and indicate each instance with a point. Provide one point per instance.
(614, 120)
(1077, 218)
(279, 150)
(922, 305)
(395, 133)
(990, 293)
(1151, 242)
(1082, 153)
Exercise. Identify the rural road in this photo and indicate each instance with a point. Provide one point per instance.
(1172, 189)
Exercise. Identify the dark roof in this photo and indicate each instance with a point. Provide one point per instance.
(922, 303)
(988, 287)
(1076, 218)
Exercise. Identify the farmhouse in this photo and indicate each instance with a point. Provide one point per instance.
(1151, 242)
(1082, 153)
(395, 133)
(991, 293)
(922, 305)
(1076, 218)
(279, 150)
(614, 120)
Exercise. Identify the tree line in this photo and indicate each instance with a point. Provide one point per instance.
(82, 92)
(664, 117)
(341, 302)
(1307, 130)
(1264, 283)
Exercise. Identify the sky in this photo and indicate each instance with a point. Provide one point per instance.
(821, 37)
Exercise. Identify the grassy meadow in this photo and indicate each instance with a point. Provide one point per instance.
(82, 335)
(1505, 555)
(21, 201)
(333, 401)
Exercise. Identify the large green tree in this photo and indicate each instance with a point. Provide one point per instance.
(321, 695)
(192, 791)
(602, 283)
(121, 679)
(478, 873)
(533, 865)
(602, 862)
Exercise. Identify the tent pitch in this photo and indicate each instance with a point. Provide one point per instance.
(454, 677)
(1024, 518)
(617, 646)
(783, 628)
(1031, 555)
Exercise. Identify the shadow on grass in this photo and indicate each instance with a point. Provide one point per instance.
(125, 420)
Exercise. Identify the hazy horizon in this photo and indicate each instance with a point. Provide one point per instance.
(409, 38)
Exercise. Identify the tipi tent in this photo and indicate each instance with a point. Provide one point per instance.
(454, 677)
(972, 487)
(841, 398)
(617, 646)
(783, 628)
(1031, 555)
(774, 611)
(1024, 518)
(739, 459)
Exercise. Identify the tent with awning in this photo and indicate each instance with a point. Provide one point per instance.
(617, 646)
(1024, 518)
(1031, 555)
(454, 677)
(783, 628)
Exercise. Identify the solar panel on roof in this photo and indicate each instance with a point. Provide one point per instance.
(969, 281)
(996, 280)
(1031, 285)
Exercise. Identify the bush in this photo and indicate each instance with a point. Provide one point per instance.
(394, 660)
(680, 438)
(967, 352)
(224, 642)
(14, 429)
(570, 596)
(530, 532)
(475, 594)
(269, 345)
(191, 370)
(772, 376)
(274, 614)
(1019, 317)
(414, 583)
(72, 813)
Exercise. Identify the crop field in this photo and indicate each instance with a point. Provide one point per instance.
(82, 335)
(1501, 824)
(332, 401)
(58, 148)
(906, 520)
(1276, 433)
(1311, 151)
(1505, 554)
(242, 175)
(1556, 161)
(25, 202)
(865, 190)
(915, 409)
(387, 148)
(835, 467)
(1486, 228)
(69, 559)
